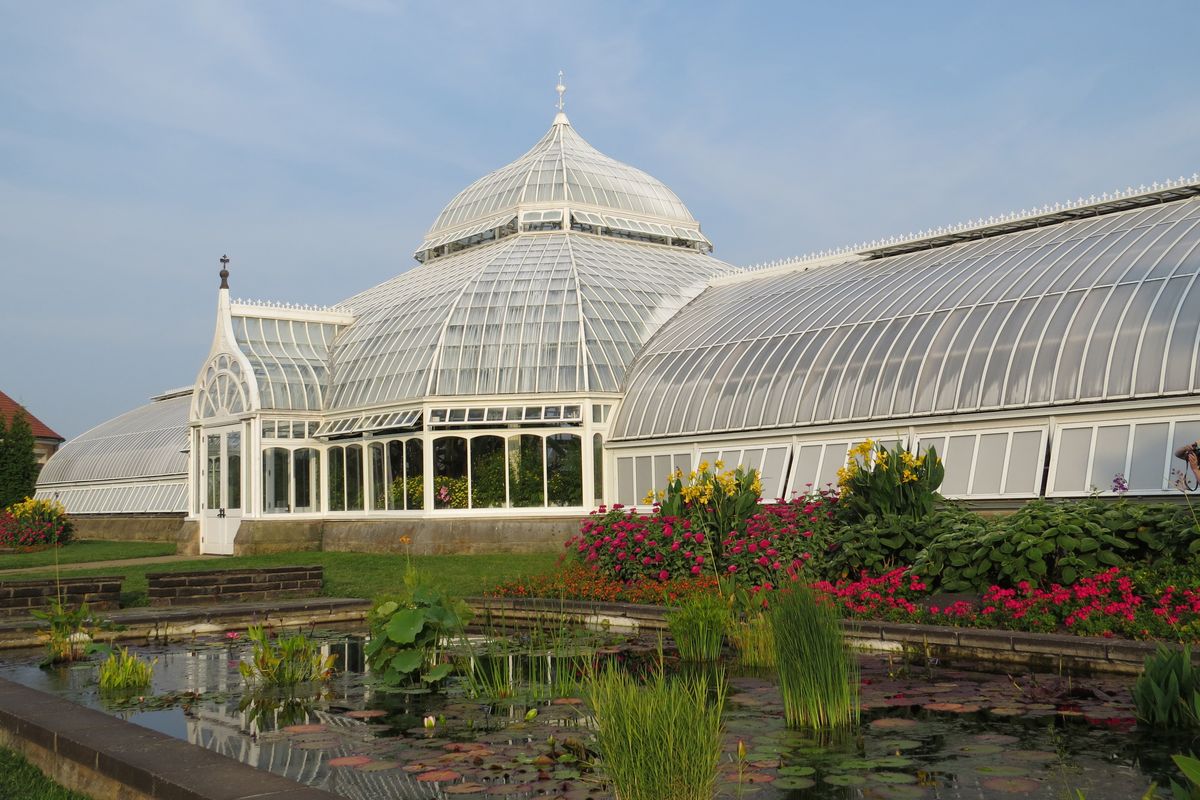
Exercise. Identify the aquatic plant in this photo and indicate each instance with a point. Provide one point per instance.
(818, 674)
(70, 631)
(698, 627)
(1167, 693)
(125, 670)
(754, 641)
(284, 661)
(658, 740)
(405, 637)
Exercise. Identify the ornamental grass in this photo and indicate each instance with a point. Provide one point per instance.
(754, 641)
(818, 674)
(658, 740)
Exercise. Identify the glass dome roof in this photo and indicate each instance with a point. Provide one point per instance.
(561, 169)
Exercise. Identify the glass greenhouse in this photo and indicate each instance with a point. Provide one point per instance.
(568, 339)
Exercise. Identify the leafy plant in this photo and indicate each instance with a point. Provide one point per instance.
(70, 631)
(405, 637)
(35, 523)
(1167, 693)
(1190, 767)
(884, 483)
(698, 627)
(660, 740)
(125, 670)
(284, 661)
(818, 674)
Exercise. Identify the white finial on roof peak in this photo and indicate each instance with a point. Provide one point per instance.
(561, 117)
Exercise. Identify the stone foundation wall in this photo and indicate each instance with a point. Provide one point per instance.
(18, 598)
(241, 585)
(261, 536)
(140, 528)
(444, 536)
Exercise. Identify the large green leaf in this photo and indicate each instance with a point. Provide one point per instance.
(404, 625)
(407, 661)
(439, 672)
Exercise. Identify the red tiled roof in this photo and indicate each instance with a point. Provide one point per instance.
(9, 407)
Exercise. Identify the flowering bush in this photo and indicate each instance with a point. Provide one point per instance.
(574, 581)
(34, 523)
(779, 542)
(889, 596)
(716, 502)
(884, 483)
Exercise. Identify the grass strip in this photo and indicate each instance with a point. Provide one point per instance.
(82, 551)
(20, 780)
(364, 575)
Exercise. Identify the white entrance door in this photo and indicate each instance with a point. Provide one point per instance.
(221, 498)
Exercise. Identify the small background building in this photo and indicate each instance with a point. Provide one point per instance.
(45, 441)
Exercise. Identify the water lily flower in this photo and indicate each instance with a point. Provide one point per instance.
(430, 722)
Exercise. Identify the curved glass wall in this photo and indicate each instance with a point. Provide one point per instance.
(289, 357)
(1096, 309)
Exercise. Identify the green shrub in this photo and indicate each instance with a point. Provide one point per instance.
(818, 674)
(284, 661)
(660, 740)
(717, 501)
(123, 670)
(698, 627)
(1167, 693)
(878, 545)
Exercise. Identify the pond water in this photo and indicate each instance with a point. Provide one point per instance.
(928, 730)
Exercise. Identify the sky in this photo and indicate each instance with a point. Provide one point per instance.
(315, 142)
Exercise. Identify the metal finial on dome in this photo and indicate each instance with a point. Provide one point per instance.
(224, 271)
(561, 89)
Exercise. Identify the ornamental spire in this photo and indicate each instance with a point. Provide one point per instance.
(224, 272)
(561, 89)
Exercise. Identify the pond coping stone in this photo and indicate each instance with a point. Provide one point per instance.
(83, 748)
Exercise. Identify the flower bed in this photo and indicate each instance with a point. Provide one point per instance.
(33, 524)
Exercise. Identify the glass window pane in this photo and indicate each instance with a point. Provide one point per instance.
(989, 463)
(1112, 446)
(957, 462)
(395, 476)
(337, 479)
(354, 478)
(1071, 467)
(1024, 464)
(378, 477)
(214, 470)
(276, 461)
(564, 470)
(772, 472)
(625, 483)
(487, 472)
(233, 470)
(833, 459)
(1151, 449)
(526, 484)
(450, 472)
(804, 470)
(306, 474)
(414, 471)
(597, 468)
(644, 472)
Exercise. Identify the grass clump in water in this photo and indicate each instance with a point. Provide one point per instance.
(658, 740)
(754, 641)
(698, 627)
(125, 670)
(286, 661)
(818, 674)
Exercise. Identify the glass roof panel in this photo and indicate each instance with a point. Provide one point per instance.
(977, 324)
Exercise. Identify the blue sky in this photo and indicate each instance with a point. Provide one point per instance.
(316, 141)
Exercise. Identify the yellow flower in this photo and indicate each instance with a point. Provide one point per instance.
(908, 476)
(719, 465)
(703, 466)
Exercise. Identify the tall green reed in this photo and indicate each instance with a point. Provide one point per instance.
(818, 674)
(661, 739)
(698, 627)
(753, 640)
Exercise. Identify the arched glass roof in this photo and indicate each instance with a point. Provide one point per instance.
(148, 442)
(289, 359)
(533, 312)
(562, 168)
(1096, 309)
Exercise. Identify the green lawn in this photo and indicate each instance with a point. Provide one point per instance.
(81, 551)
(20, 780)
(349, 574)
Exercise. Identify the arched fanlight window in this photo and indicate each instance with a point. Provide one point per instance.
(225, 392)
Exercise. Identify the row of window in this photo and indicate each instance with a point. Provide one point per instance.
(518, 471)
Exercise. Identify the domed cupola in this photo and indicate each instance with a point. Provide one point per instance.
(563, 182)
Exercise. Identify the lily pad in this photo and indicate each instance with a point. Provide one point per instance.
(893, 777)
(901, 744)
(894, 724)
(1003, 770)
(796, 772)
(349, 761)
(845, 780)
(1011, 785)
(794, 783)
(438, 776)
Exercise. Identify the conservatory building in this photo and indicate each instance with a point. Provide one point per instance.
(567, 339)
